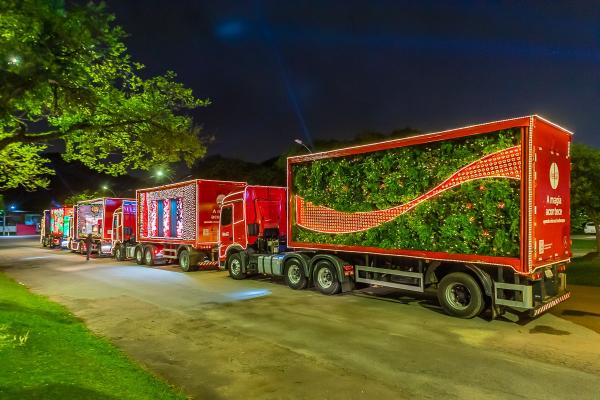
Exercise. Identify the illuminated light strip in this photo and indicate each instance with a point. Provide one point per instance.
(502, 164)
(530, 196)
(551, 304)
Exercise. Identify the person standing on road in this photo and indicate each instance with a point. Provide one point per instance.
(88, 246)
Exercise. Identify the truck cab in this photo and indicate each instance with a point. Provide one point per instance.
(253, 221)
(123, 231)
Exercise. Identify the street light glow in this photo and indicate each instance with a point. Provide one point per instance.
(159, 173)
(104, 187)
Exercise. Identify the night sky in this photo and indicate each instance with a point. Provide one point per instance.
(281, 70)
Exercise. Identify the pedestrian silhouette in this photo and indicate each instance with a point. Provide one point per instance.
(88, 246)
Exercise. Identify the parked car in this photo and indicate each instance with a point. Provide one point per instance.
(589, 228)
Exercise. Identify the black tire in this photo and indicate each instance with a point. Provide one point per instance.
(139, 255)
(187, 261)
(460, 295)
(326, 279)
(149, 256)
(120, 253)
(294, 275)
(234, 265)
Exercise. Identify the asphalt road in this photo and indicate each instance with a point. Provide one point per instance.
(224, 339)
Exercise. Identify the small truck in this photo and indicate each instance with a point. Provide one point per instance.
(478, 214)
(55, 227)
(179, 222)
(94, 217)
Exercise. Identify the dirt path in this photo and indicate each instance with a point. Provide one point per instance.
(583, 308)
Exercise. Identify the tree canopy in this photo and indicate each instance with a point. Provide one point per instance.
(585, 176)
(66, 76)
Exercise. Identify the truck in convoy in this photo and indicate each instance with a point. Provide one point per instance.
(123, 230)
(94, 217)
(479, 214)
(55, 227)
(179, 222)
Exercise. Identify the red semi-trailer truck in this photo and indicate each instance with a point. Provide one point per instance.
(55, 227)
(123, 230)
(179, 222)
(94, 217)
(480, 214)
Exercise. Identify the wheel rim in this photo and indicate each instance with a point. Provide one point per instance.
(138, 255)
(148, 256)
(184, 261)
(325, 278)
(458, 296)
(235, 267)
(294, 275)
(118, 253)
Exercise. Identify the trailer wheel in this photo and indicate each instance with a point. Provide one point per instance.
(294, 275)
(186, 261)
(139, 255)
(234, 264)
(326, 280)
(149, 256)
(119, 253)
(460, 295)
(82, 247)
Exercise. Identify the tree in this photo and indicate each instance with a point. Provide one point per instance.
(585, 176)
(65, 75)
(85, 195)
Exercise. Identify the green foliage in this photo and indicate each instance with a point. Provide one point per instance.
(585, 176)
(22, 166)
(47, 353)
(65, 75)
(479, 217)
(85, 195)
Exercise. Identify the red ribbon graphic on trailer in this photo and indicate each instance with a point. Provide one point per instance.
(502, 164)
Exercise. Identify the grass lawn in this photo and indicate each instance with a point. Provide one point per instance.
(580, 271)
(47, 353)
(583, 245)
(583, 272)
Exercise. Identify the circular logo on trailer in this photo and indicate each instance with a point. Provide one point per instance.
(554, 175)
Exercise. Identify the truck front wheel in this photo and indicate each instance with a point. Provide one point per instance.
(460, 295)
(326, 280)
(139, 255)
(294, 275)
(149, 256)
(119, 253)
(234, 263)
(186, 261)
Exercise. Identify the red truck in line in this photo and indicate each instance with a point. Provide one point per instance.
(55, 227)
(480, 214)
(176, 222)
(94, 217)
(123, 230)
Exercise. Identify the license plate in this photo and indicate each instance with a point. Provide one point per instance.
(548, 273)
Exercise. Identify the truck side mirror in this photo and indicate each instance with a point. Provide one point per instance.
(253, 229)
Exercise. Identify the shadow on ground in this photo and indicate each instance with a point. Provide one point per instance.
(53, 391)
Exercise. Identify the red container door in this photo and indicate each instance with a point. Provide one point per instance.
(551, 190)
